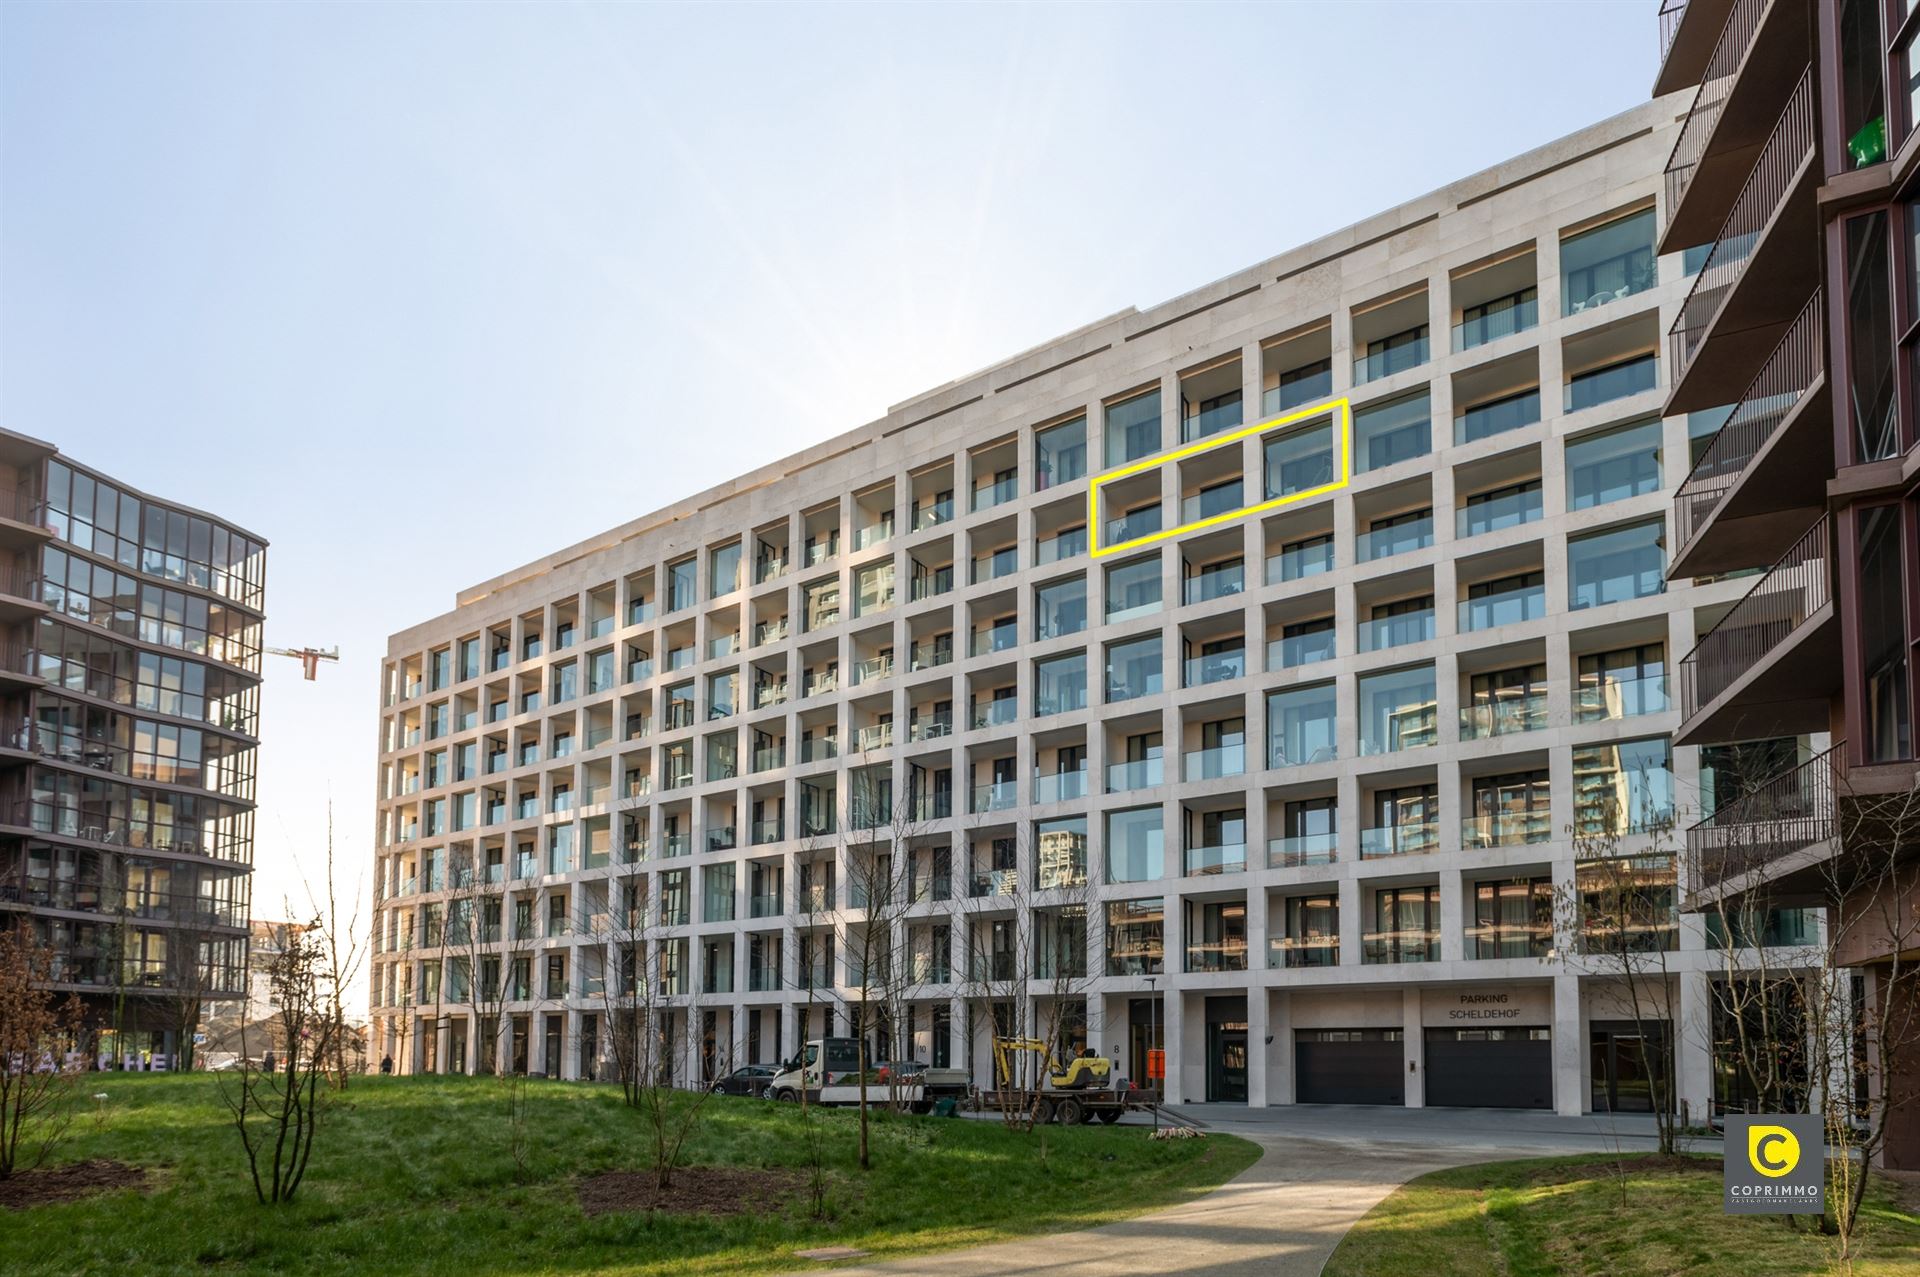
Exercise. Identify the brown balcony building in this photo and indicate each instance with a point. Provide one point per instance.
(1793, 188)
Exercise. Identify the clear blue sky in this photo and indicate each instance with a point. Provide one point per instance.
(350, 275)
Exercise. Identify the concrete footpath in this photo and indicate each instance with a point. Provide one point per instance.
(1323, 1167)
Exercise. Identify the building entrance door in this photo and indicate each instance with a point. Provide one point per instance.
(1623, 1065)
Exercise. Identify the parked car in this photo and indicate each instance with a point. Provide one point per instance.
(748, 1079)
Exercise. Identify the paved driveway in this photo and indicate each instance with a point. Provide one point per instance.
(1323, 1168)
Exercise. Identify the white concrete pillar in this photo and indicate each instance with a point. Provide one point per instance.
(1415, 1044)
(1569, 1048)
(570, 1047)
(1173, 1020)
(1257, 1030)
(1279, 1053)
(1693, 1046)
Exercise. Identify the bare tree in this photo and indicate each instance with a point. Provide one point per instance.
(36, 1026)
(996, 917)
(345, 949)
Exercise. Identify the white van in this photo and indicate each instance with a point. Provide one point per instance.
(828, 1072)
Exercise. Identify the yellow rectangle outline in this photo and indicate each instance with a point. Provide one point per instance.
(1342, 406)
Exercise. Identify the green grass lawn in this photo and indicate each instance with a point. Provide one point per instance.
(1564, 1215)
(414, 1175)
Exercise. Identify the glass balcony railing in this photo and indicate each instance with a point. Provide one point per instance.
(872, 670)
(1297, 562)
(1216, 667)
(1059, 787)
(1510, 607)
(877, 736)
(1385, 632)
(1495, 324)
(1295, 650)
(1503, 716)
(1214, 583)
(873, 534)
(1218, 955)
(769, 757)
(928, 656)
(1400, 538)
(1128, 527)
(997, 638)
(931, 726)
(932, 514)
(766, 831)
(996, 713)
(1483, 421)
(1406, 839)
(1506, 829)
(1210, 422)
(995, 882)
(996, 493)
(1393, 359)
(769, 567)
(1303, 849)
(1143, 774)
(1301, 390)
(1507, 511)
(1309, 951)
(1400, 946)
(1596, 700)
(1224, 499)
(1000, 795)
(1228, 858)
(1212, 764)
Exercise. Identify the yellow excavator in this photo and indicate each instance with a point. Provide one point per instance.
(1082, 1090)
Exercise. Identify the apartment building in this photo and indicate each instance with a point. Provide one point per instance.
(1796, 162)
(130, 686)
(1324, 770)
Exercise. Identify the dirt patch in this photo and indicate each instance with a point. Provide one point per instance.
(696, 1190)
(67, 1183)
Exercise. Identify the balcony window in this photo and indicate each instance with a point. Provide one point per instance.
(934, 511)
(1621, 788)
(723, 570)
(1133, 669)
(1398, 710)
(929, 582)
(1397, 624)
(1312, 936)
(1395, 534)
(1302, 726)
(1060, 684)
(1134, 845)
(723, 694)
(1392, 431)
(1508, 811)
(1130, 525)
(1304, 643)
(1303, 385)
(1729, 773)
(1627, 904)
(873, 588)
(1869, 343)
(1508, 600)
(1621, 684)
(1613, 465)
(1504, 702)
(1612, 381)
(1060, 454)
(1211, 416)
(1862, 105)
(1492, 320)
(1300, 559)
(1500, 508)
(1883, 637)
(682, 588)
(1216, 581)
(1136, 931)
(1300, 460)
(999, 635)
(871, 534)
(1222, 752)
(1060, 852)
(1133, 428)
(1311, 834)
(822, 603)
(1142, 768)
(1406, 926)
(1498, 416)
(1133, 589)
(1607, 263)
(1512, 919)
(1060, 608)
(1616, 565)
(1391, 354)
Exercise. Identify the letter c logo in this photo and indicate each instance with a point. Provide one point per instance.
(1772, 1150)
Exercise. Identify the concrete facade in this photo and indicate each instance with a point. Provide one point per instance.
(1571, 748)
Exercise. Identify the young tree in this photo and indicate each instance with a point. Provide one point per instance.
(345, 948)
(36, 1026)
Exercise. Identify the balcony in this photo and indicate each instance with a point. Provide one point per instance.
(1506, 829)
(1598, 700)
(1059, 787)
(1293, 650)
(1214, 764)
(1304, 849)
(1768, 460)
(1294, 952)
(1785, 828)
(1216, 667)
(1385, 632)
(1769, 667)
(1508, 607)
(1503, 716)
(1227, 858)
(995, 713)
(1410, 838)
(1688, 29)
(999, 795)
(1398, 538)
(1210, 422)
(1124, 778)
(1756, 50)
(1757, 276)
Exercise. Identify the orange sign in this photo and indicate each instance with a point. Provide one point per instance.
(1157, 1064)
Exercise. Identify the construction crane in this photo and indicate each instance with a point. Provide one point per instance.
(309, 657)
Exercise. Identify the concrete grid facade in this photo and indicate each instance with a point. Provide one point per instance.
(1539, 564)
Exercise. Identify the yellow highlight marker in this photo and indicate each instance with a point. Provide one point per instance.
(1341, 408)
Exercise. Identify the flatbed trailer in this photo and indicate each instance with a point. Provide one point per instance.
(1070, 1108)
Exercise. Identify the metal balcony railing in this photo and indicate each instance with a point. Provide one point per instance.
(1710, 99)
(1786, 150)
(1794, 588)
(1671, 11)
(1774, 393)
(1791, 811)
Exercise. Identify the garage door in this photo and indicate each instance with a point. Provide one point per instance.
(1506, 1068)
(1349, 1066)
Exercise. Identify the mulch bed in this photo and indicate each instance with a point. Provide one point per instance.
(67, 1183)
(696, 1190)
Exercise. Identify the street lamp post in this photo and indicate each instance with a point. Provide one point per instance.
(1153, 1035)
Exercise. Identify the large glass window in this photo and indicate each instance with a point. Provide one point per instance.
(1513, 919)
(1060, 607)
(1060, 453)
(1406, 926)
(873, 588)
(1300, 460)
(1613, 465)
(1607, 263)
(1626, 787)
(1302, 385)
(1060, 852)
(1135, 844)
(1133, 428)
(1060, 684)
(723, 570)
(1302, 725)
(1399, 429)
(1883, 637)
(1134, 668)
(1133, 588)
(1869, 339)
(1313, 933)
(1398, 710)
(682, 591)
(1497, 416)
(1863, 109)
(1618, 564)
(1612, 381)
(1135, 936)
